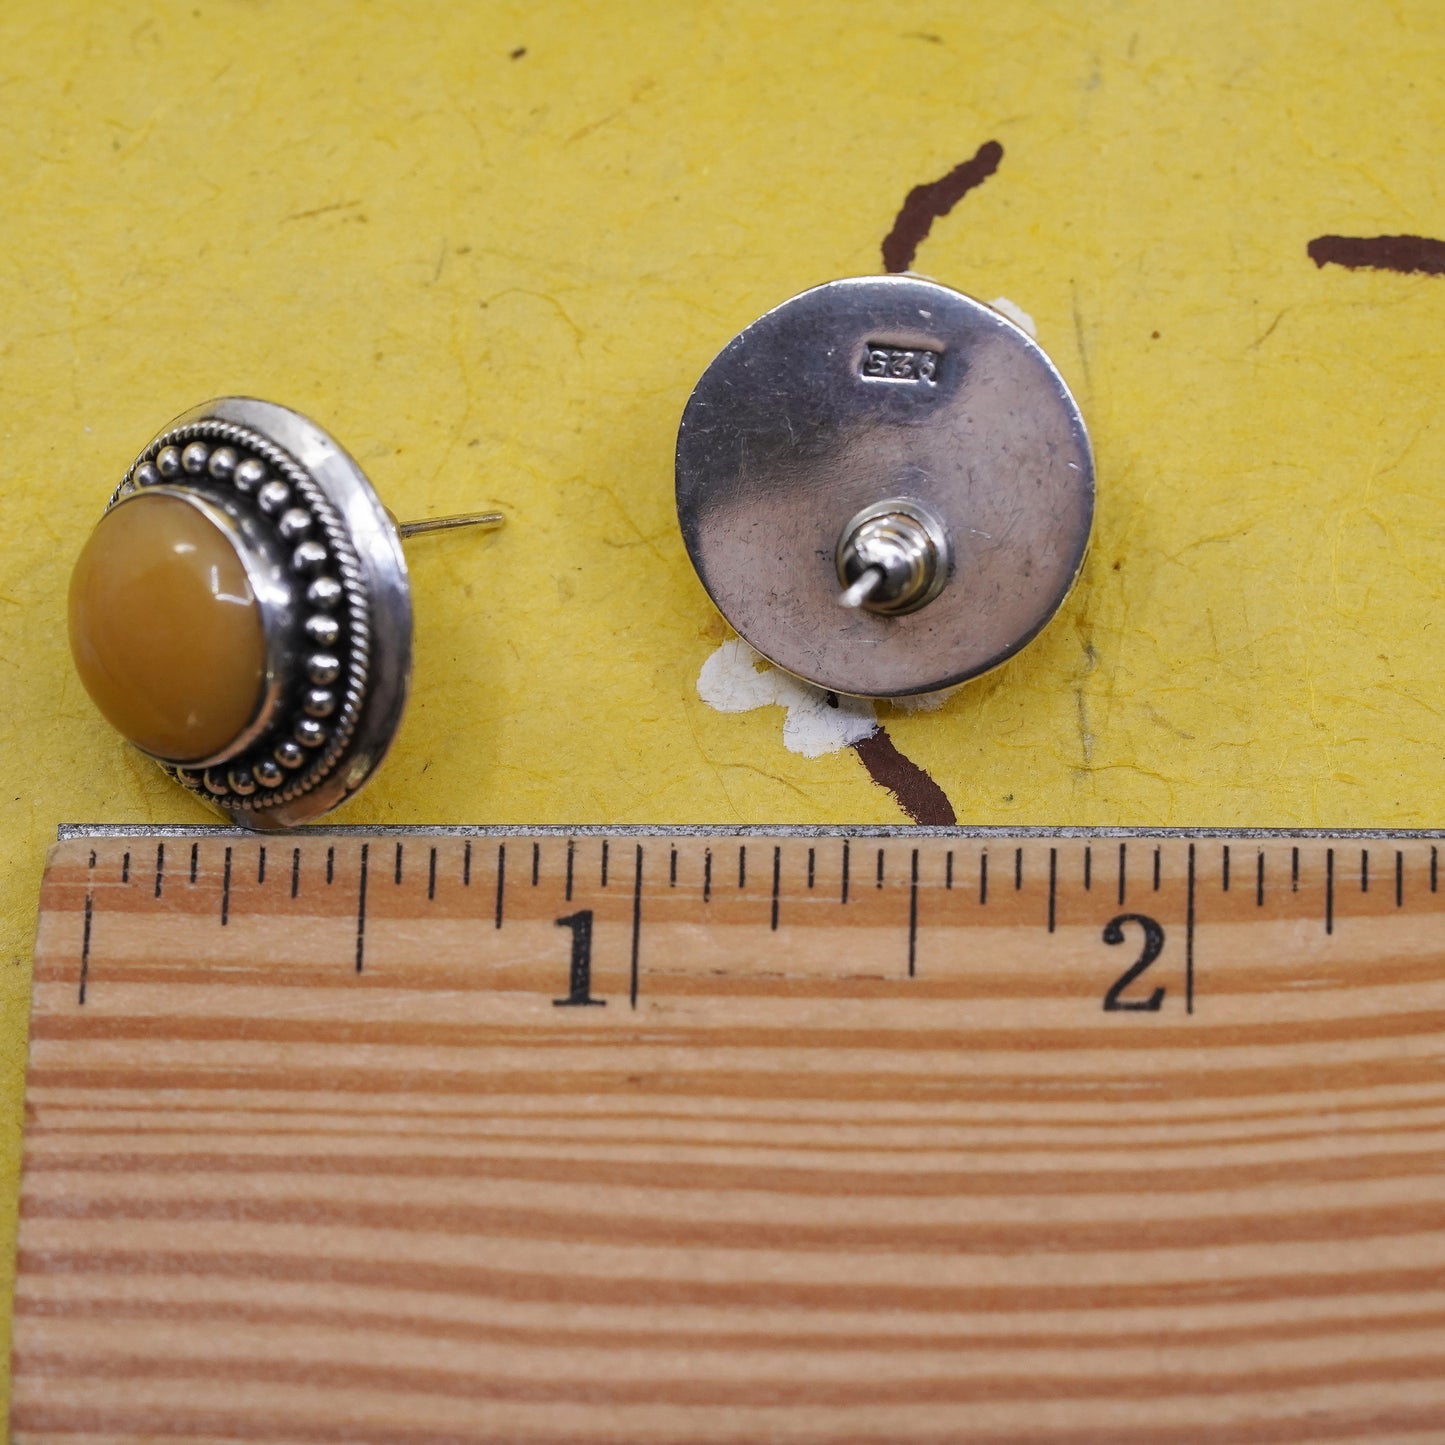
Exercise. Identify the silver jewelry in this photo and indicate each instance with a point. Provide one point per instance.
(322, 563)
(890, 445)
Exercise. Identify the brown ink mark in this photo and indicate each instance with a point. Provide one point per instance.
(519, 52)
(1406, 254)
(932, 201)
(916, 792)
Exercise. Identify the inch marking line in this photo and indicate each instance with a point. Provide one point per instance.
(85, 938)
(1189, 940)
(361, 910)
(1053, 883)
(1329, 890)
(636, 926)
(912, 916)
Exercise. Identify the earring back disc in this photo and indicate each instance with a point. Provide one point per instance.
(870, 403)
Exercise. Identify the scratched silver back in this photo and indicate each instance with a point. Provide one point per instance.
(812, 413)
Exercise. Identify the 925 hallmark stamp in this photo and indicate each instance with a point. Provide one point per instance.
(892, 363)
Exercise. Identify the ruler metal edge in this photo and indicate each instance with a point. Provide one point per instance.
(67, 831)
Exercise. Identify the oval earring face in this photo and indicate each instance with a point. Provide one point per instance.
(242, 614)
(885, 486)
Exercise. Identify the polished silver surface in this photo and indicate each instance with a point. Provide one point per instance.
(892, 558)
(873, 391)
(336, 607)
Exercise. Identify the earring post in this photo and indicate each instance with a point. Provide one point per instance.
(488, 520)
(862, 589)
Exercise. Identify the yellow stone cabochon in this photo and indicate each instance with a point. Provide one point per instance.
(165, 628)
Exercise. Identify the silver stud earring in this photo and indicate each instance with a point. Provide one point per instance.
(242, 612)
(885, 486)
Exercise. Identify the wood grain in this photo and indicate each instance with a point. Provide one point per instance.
(325, 1161)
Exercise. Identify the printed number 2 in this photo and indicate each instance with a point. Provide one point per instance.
(1153, 947)
(579, 988)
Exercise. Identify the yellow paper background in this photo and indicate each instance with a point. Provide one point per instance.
(496, 280)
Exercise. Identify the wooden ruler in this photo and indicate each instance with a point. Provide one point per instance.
(750, 1135)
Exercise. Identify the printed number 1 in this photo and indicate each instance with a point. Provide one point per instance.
(579, 989)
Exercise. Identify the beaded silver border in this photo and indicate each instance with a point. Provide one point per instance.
(300, 750)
